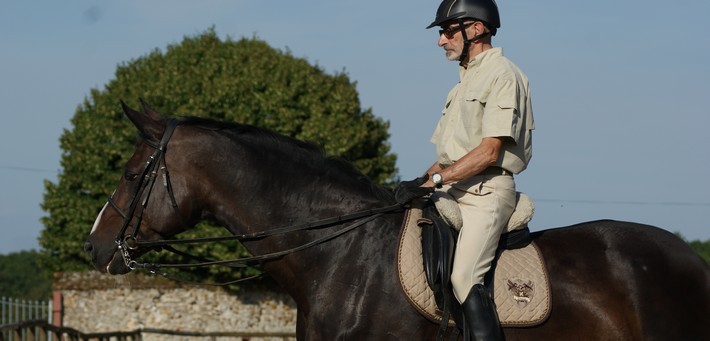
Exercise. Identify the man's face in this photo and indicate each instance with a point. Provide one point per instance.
(451, 40)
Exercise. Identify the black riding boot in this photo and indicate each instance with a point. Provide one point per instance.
(480, 316)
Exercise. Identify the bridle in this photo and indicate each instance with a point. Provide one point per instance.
(142, 194)
(156, 163)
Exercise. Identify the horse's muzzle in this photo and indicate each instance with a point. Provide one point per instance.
(106, 259)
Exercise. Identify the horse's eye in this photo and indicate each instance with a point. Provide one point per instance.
(130, 176)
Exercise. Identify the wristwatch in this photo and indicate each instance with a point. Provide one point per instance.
(437, 179)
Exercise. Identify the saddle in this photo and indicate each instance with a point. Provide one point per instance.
(517, 277)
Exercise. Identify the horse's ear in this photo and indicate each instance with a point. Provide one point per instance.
(150, 123)
(148, 110)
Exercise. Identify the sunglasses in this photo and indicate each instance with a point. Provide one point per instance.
(450, 31)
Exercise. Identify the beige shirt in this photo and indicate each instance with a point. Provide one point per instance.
(491, 100)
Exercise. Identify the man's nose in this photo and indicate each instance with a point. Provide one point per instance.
(442, 40)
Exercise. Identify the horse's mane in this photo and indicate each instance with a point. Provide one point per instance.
(294, 147)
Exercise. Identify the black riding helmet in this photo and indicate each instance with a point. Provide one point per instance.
(457, 10)
(460, 10)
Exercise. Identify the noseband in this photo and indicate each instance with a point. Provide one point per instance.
(155, 163)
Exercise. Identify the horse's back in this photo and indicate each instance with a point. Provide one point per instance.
(620, 280)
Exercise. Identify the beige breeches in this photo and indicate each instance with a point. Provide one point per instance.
(486, 202)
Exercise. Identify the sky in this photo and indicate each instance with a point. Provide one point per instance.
(619, 91)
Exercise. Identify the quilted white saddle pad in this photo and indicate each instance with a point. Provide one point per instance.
(521, 285)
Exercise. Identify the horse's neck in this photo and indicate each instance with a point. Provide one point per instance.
(255, 189)
(258, 209)
(269, 191)
(269, 196)
(250, 205)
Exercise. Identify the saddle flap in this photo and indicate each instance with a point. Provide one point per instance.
(438, 243)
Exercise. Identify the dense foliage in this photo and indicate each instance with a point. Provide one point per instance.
(701, 248)
(21, 277)
(245, 81)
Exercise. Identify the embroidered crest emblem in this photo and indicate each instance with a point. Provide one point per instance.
(522, 291)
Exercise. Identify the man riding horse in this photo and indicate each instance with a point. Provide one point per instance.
(482, 139)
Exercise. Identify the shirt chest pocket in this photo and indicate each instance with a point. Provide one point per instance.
(473, 103)
(479, 95)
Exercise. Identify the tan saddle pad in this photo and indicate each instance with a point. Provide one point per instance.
(521, 285)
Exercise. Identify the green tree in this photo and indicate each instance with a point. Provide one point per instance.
(21, 277)
(245, 81)
(700, 247)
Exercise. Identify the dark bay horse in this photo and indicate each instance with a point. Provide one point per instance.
(610, 280)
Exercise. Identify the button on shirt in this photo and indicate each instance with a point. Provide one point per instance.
(492, 99)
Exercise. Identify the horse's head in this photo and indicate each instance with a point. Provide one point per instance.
(143, 206)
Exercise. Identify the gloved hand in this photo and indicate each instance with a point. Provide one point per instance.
(408, 190)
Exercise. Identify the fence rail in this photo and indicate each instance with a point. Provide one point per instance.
(43, 331)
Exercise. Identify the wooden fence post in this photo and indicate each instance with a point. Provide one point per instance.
(57, 309)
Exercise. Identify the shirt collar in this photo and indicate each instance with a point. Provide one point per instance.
(481, 59)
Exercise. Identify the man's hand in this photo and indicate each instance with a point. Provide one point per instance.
(406, 191)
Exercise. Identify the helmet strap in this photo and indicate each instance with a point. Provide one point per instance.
(467, 42)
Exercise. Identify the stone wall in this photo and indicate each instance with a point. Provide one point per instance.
(99, 303)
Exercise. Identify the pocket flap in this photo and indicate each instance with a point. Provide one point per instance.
(477, 94)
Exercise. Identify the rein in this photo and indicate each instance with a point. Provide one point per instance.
(370, 215)
(125, 243)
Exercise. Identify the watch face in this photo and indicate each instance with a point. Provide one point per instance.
(436, 178)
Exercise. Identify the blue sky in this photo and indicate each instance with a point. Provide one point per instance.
(619, 90)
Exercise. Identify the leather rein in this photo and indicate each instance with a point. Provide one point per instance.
(148, 176)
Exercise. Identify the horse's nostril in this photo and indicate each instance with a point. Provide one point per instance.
(88, 247)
